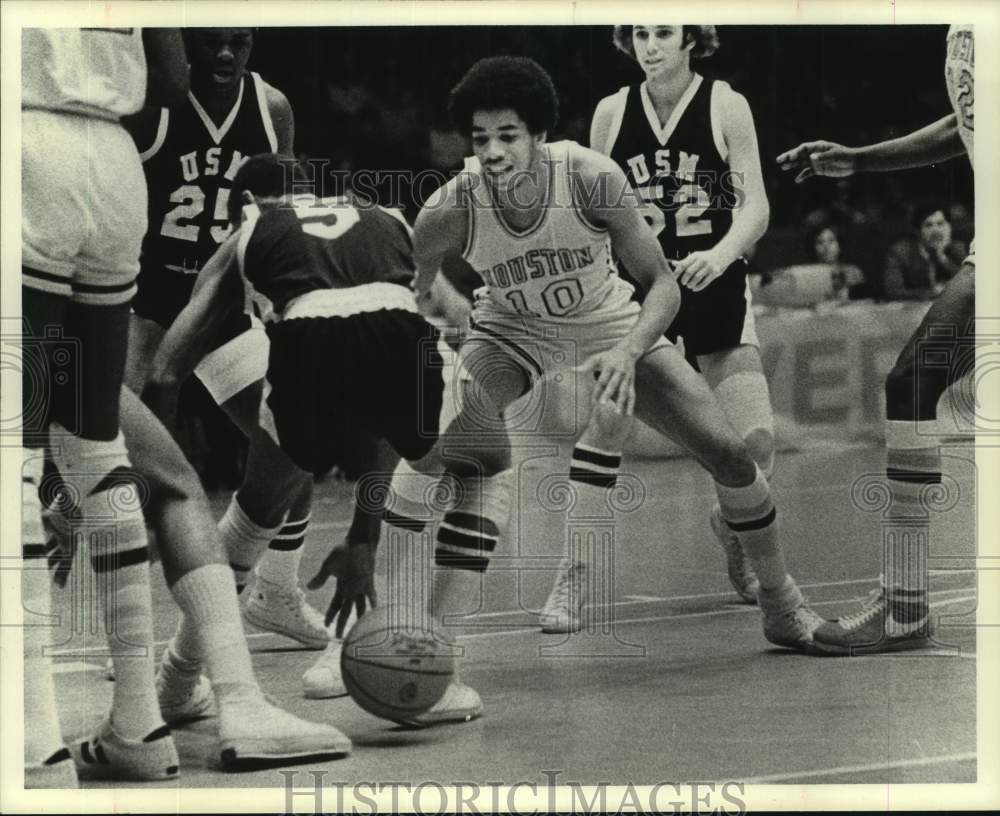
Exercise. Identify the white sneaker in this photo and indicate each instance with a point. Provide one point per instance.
(788, 620)
(58, 771)
(323, 679)
(741, 574)
(563, 610)
(459, 703)
(108, 755)
(183, 696)
(253, 731)
(276, 609)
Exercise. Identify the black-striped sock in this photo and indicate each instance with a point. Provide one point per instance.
(469, 531)
(280, 563)
(750, 513)
(913, 467)
(42, 737)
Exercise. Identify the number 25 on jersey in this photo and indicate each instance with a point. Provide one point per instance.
(190, 200)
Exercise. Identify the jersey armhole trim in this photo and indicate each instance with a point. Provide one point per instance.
(715, 115)
(161, 136)
(265, 112)
(577, 204)
(470, 221)
(620, 103)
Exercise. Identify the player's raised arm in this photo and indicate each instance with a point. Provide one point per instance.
(283, 120)
(168, 78)
(614, 205)
(439, 231)
(936, 142)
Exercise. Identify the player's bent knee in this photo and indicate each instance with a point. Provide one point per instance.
(760, 444)
(733, 464)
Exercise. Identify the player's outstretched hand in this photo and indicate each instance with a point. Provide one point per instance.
(698, 270)
(614, 371)
(819, 159)
(352, 563)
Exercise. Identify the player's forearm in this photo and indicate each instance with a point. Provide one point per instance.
(167, 76)
(659, 309)
(936, 142)
(191, 335)
(749, 225)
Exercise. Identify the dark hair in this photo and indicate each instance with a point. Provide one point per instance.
(266, 174)
(815, 231)
(927, 207)
(704, 37)
(506, 83)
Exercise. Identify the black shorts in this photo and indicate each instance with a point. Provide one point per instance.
(714, 319)
(162, 294)
(332, 377)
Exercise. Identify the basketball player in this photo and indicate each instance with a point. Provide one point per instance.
(83, 216)
(687, 146)
(348, 350)
(897, 617)
(190, 156)
(538, 221)
(209, 634)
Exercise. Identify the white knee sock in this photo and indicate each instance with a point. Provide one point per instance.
(243, 540)
(110, 496)
(750, 513)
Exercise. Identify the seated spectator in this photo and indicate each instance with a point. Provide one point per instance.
(826, 280)
(918, 267)
(847, 280)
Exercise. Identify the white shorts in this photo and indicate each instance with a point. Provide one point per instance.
(83, 202)
(541, 347)
(235, 365)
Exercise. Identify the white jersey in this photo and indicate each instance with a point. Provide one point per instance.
(959, 74)
(558, 268)
(98, 72)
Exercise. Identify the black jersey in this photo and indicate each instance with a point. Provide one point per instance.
(189, 171)
(680, 169)
(330, 243)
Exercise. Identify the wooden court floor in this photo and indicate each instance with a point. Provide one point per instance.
(675, 680)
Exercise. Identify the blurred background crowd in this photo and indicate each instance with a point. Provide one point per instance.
(374, 100)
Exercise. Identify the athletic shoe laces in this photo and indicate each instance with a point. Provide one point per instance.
(873, 607)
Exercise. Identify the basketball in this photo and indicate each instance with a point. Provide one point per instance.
(395, 671)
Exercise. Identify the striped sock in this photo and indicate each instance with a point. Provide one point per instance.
(750, 513)
(102, 485)
(409, 512)
(593, 474)
(42, 736)
(280, 563)
(243, 541)
(913, 465)
(120, 559)
(469, 531)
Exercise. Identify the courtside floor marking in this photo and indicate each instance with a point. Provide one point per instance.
(944, 759)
